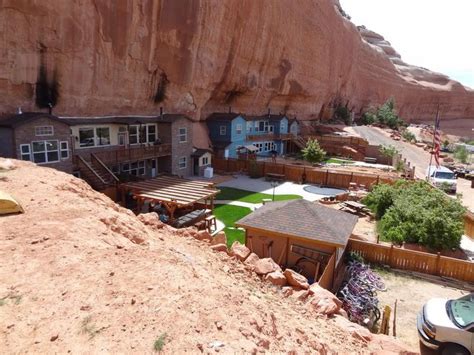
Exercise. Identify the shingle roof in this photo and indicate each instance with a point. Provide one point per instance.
(25, 117)
(266, 117)
(223, 116)
(303, 219)
(200, 152)
(167, 118)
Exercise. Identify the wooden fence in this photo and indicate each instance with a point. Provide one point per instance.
(298, 173)
(469, 224)
(403, 259)
(327, 278)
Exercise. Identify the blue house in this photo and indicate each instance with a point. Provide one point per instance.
(234, 133)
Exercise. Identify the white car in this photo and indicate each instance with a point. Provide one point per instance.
(442, 178)
(448, 325)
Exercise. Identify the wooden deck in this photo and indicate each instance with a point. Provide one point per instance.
(133, 153)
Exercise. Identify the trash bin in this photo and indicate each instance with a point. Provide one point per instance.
(208, 172)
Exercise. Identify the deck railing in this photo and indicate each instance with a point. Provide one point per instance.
(125, 154)
(268, 137)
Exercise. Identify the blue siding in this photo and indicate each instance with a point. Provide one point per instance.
(215, 131)
(238, 137)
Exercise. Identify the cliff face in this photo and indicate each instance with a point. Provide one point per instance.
(194, 56)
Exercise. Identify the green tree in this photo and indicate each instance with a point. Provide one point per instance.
(313, 152)
(461, 154)
(368, 118)
(388, 151)
(386, 115)
(417, 213)
(344, 114)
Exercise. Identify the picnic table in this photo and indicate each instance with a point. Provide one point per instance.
(353, 206)
(191, 218)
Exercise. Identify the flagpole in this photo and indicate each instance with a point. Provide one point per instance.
(433, 143)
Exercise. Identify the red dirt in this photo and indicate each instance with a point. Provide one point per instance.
(72, 279)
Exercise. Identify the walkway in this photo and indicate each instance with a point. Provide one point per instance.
(243, 182)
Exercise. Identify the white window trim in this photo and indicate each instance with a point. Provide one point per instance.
(61, 150)
(185, 163)
(147, 132)
(185, 134)
(238, 127)
(248, 126)
(223, 130)
(44, 135)
(29, 151)
(46, 152)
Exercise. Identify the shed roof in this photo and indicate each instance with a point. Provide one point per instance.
(303, 219)
(200, 152)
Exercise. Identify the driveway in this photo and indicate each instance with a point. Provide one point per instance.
(418, 158)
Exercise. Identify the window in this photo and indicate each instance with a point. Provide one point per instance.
(183, 135)
(205, 160)
(151, 133)
(136, 168)
(182, 163)
(25, 151)
(261, 126)
(45, 151)
(259, 146)
(223, 130)
(64, 150)
(103, 135)
(44, 131)
(86, 137)
(238, 128)
(282, 127)
(249, 127)
(270, 128)
(257, 125)
(133, 134)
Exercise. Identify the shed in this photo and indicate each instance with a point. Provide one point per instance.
(303, 235)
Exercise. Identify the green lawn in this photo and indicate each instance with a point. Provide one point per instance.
(229, 214)
(229, 193)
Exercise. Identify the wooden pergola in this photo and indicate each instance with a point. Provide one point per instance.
(171, 192)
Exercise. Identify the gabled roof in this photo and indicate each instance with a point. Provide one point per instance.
(223, 116)
(266, 117)
(303, 219)
(25, 117)
(200, 152)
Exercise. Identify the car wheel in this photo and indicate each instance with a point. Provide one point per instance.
(454, 349)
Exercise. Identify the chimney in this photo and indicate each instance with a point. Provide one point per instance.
(230, 109)
(161, 112)
(269, 112)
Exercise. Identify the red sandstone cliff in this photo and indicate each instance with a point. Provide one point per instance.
(199, 56)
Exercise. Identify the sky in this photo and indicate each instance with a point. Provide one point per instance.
(434, 34)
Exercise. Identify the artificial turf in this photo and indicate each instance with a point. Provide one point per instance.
(229, 193)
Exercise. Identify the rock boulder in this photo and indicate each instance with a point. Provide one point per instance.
(266, 266)
(240, 251)
(296, 280)
(276, 278)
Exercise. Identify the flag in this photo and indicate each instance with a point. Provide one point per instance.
(436, 140)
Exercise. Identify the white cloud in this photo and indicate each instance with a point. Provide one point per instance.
(435, 34)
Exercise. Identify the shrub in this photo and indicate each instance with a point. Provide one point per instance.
(160, 342)
(410, 137)
(388, 150)
(313, 153)
(343, 113)
(417, 213)
(368, 118)
(461, 153)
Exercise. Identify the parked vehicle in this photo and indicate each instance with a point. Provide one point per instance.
(442, 178)
(448, 325)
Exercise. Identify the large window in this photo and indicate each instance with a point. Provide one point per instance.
(45, 151)
(182, 163)
(183, 135)
(44, 131)
(86, 137)
(94, 136)
(145, 133)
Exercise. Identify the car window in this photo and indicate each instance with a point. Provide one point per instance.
(461, 311)
(444, 175)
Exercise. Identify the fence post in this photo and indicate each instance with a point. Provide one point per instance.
(438, 257)
(352, 176)
(378, 179)
(390, 256)
(327, 177)
(227, 164)
(263, 169)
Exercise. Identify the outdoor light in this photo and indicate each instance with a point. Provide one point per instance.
(274, 184)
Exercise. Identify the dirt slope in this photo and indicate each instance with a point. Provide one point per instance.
(73, 278)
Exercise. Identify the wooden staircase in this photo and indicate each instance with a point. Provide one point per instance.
(96, 173)
(299, 141)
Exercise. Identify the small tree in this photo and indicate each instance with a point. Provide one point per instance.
(386, 115)
(313, 153)
(368, 118)
(388, 151)
(461, 154)
(344, 114)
